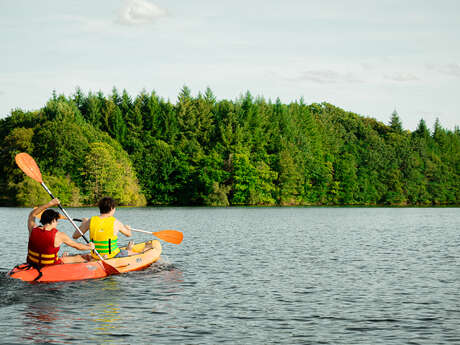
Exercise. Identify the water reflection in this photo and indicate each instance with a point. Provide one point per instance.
(42, 322)
(105, 316)
(173, 276)
(106, 313)
(171, 281)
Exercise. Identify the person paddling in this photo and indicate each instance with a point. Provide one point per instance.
(45, 241)
(103, 231)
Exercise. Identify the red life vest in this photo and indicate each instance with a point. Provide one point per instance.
(41, 250)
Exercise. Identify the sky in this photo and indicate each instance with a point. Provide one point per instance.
(364, 56)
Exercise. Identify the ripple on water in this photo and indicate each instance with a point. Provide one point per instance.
(259, 276)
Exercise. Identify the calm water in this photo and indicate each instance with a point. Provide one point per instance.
(254, 276)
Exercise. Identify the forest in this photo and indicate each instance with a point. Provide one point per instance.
(200, 151)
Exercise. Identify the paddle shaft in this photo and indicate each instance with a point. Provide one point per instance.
(171, 236)
(144, 231)
(138, 230)
(64, 211)
(68, 217)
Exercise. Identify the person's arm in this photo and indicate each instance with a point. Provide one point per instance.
(62, 237)
(84, 227)
(36, 211)
(124, 229)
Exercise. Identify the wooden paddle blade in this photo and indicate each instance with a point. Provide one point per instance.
(27, 164)
(171, 236)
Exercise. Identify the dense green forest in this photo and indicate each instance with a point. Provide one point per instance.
(200, 151)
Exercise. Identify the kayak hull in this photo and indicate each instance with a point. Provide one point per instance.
(146, 253)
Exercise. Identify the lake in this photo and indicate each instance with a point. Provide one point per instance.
(253, 276)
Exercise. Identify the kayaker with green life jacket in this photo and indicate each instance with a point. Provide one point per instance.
(103, 231)
(45, 241)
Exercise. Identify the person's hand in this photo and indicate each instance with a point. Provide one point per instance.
(91, 245)
(128, 227)
(54, 202)
(84, 220)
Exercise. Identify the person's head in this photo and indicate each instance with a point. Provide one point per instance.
(49, 216)
(106, 205)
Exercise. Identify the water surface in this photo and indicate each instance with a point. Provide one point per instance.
(254, 276)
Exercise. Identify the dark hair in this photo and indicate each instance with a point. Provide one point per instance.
(106, 205)
(49, 216)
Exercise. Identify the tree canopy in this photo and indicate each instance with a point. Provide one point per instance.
(201, 151)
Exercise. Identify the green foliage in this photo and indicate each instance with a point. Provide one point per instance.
(108, 172)
(213, 176)
(289, 179)
(157, 164)
(19, 139)
(395, 122)
(253, 183)
(30, 193)
(202, 151)
(346, 174)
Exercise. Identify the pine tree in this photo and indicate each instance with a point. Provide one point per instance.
(395, 122)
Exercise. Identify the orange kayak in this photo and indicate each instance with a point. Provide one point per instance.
(146, 254)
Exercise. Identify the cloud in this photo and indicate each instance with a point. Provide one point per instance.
(401, 77)
(327, 77)
(367, 66)
(452, 69)
(139, 12)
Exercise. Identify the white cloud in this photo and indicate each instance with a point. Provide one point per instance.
(452, 69)
(323, 76)
(138, 12)
(401, 77)
(367, 66)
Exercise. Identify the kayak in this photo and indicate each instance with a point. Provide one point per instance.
(146, 254)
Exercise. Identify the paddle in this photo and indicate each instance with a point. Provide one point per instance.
(39, 215)
(171, 236)
(28, 165)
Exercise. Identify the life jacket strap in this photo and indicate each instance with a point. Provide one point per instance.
(28, 266)
(41, 259)
(106, 247)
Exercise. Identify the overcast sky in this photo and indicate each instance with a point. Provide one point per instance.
(364, 56)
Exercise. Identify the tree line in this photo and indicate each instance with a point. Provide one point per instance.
(200, 151)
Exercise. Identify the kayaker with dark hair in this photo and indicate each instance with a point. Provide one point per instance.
(103, 231)
(45, 241)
